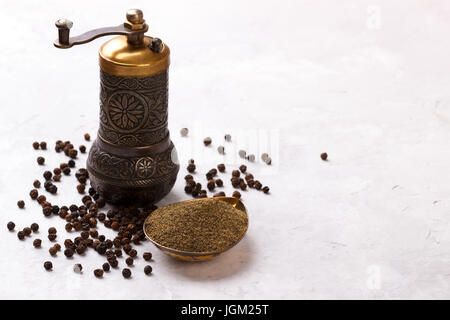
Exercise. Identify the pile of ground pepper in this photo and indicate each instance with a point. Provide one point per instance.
(204, 225)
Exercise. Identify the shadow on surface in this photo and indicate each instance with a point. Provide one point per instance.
(230, 263)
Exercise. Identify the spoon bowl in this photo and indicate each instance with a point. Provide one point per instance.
(200, 256)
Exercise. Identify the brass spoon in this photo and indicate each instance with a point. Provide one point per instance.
(200, 256)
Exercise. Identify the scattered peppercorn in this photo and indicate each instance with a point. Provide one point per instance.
(52, 230)
(266, 189)
(243, 168)
(211, 185)
(219, 182)
(87, 137)
(21, 235)
(221, 167)
(11, 225)
(52, 236)
(242, 185)
(71, 163)
(258, 185)
(37, 243)
(27, 231)
(47, 175)
(36, 184)
(98, 273)
(21, 204)
(81, 187)
(324, 156)
(184, 132)
(40, 160)
(68, 252)
(52, 251)
(43, 145)
(57, 177)
(82, 149)
(147, 256)
(251, 157)
(148, 269)
(207, 141)
(236, 194)
(106, 266)
(36, 145)
(73, 153)
(34, 194)
(77, 268)
(191, 168)
(129, 261)
(48, 265)
(235, 173)
(126, 273)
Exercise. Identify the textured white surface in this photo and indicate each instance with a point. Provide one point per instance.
(365, 81)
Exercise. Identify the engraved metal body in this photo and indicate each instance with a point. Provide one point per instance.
(133, 160)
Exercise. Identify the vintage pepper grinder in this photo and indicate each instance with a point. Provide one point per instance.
(133, 160)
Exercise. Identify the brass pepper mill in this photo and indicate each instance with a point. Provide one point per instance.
(133, 160)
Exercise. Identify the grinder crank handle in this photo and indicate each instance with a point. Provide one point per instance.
(64, 41)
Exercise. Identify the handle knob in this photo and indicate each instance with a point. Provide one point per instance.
(64, 26)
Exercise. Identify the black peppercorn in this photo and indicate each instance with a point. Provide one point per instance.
(36, 184)
(57, 177)
(324, 156)
(207, 141)
(21, 235)
(211, 185)
(43, 145)
(242, 185)
(147, 256)
(236, 194)
(243, 168)
(27, 231)
(52, 236)
(71, 163)
(219, 182)
(235, 182)
(221, 167)
(188, 189)
(235, 173)
(87, 137)
(37, 243)
(66, 171)
(148, 269)
(36, 145)
(191, 168)
(47, 175)
(82, 149)
(48, 265)
(81, 187)
(251, 183)
(266, 189)
(258, 185)
(114, 263)
(52, 251)
(52, 230)
(81, 248)
(106, 266)
(73, 153)
(126, 273)
(129, 261)
(40, 160)
(11, 225)
(98, 273)
(77, 268)
(68, 252)
(21, 204)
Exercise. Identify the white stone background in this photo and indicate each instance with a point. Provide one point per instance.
(365, 81)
